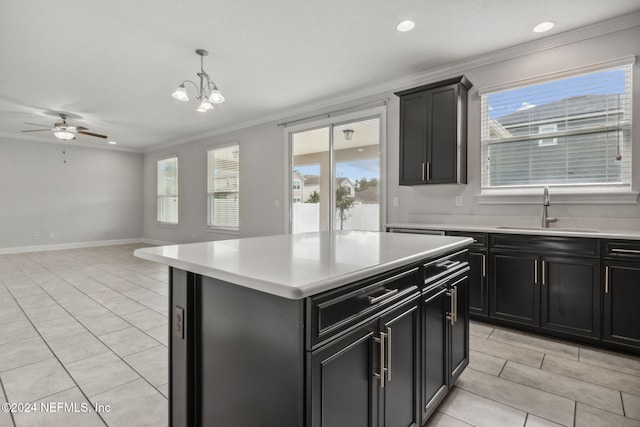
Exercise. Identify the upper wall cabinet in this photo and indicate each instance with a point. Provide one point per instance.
(433, 133)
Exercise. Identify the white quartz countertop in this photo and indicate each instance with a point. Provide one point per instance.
(567, 232)
(300, 265)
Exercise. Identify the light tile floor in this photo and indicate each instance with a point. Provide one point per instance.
(88, 327)
(80, 328)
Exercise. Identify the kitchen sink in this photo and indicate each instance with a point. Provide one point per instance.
(568, 230)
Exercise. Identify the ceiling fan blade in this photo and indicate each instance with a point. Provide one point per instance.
(36, 124)
(38, 130)
(81, 128)
(91, 134)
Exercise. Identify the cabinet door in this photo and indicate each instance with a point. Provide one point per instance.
(570, 295)
(515, 294)
(442, 135)
(459, 329)
(342, 383)
(401, 392)
(621, 297)
(435, 306)
(413, 139)
(478, 292)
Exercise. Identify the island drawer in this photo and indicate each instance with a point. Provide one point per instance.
(334, 312)
(441, 267)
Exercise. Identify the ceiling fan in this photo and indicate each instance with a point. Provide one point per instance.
(63, 130)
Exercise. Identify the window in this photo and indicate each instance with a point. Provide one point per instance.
(297, 184)
(223, 187)
(167, 212)
(586, 123)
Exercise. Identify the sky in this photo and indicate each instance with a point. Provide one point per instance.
(601, 82)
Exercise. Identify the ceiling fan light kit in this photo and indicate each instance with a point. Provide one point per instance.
(206, 92)
(63, 131)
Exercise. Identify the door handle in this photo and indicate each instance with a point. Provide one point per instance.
(606, 279)
(455, 304)
(380, 375)
(543, 273)
(424, 171)
(484, 265)
(535, 272)
(428, 170)
(388, 353)
(451, 315)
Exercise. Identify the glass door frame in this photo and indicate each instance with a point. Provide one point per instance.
(331, 121)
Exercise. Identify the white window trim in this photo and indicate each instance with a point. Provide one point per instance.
(163, 224)
(219, 228)
(567, 195)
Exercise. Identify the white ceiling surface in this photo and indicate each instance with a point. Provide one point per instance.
(115, 63)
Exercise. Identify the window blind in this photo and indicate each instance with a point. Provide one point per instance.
(223, 187)
(574, 131)
(167, 210)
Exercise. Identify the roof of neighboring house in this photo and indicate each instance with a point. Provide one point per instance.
(297, 172)
(311, 180)
(577, 105)
(370, 195)
(342, 181)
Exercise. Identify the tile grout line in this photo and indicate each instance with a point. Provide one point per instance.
(98, 337)
(4, 392)
(54, 354)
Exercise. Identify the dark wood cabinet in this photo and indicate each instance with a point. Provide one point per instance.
(343, 389)
(445, 337)
(400, 396)
(570, 295)
(550, 289)
(478, 275)
(515, 294)
(433, 133)
(621, 292)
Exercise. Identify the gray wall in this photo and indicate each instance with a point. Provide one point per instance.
(262, 175)
(437, 203)
(95, 196)
(263, 166)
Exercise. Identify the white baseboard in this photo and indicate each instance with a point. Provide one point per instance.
(77, 245)
(155, 242)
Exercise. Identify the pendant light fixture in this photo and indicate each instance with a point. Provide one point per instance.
(207, 92)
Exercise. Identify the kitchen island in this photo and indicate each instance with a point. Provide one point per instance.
(329, 328)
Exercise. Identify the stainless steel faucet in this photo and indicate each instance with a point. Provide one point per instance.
(545, 204)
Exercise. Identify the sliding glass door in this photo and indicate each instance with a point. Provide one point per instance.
(335, 176)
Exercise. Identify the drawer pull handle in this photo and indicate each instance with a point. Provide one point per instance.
(387, 294)
(447, 264)
(627, 251)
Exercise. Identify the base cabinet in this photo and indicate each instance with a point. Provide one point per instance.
(621, 297)
(445, 338)
(514, 288)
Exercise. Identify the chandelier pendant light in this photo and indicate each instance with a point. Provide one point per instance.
(207, 92)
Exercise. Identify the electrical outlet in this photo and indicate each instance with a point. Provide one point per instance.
(458, 201)
(178, 322)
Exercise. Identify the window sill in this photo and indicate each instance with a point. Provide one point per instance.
(559, 196)
(166, 225)
(223, 230)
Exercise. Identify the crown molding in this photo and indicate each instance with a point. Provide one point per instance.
(76, 143)
(550, 42)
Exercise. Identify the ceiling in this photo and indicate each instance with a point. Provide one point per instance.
(114, 64)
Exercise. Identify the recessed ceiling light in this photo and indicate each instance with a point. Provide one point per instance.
(405, 26)
(112, 142)
(544, 26)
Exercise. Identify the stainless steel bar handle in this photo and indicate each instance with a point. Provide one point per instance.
(388, 353)
(627, 251)
(380, 375)
(484, 265)
(543, 263)
(455, 304)
(451, 315)
(535, 272)
(387, 294)
(424, 173)
(606, 279)
(428, 170)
